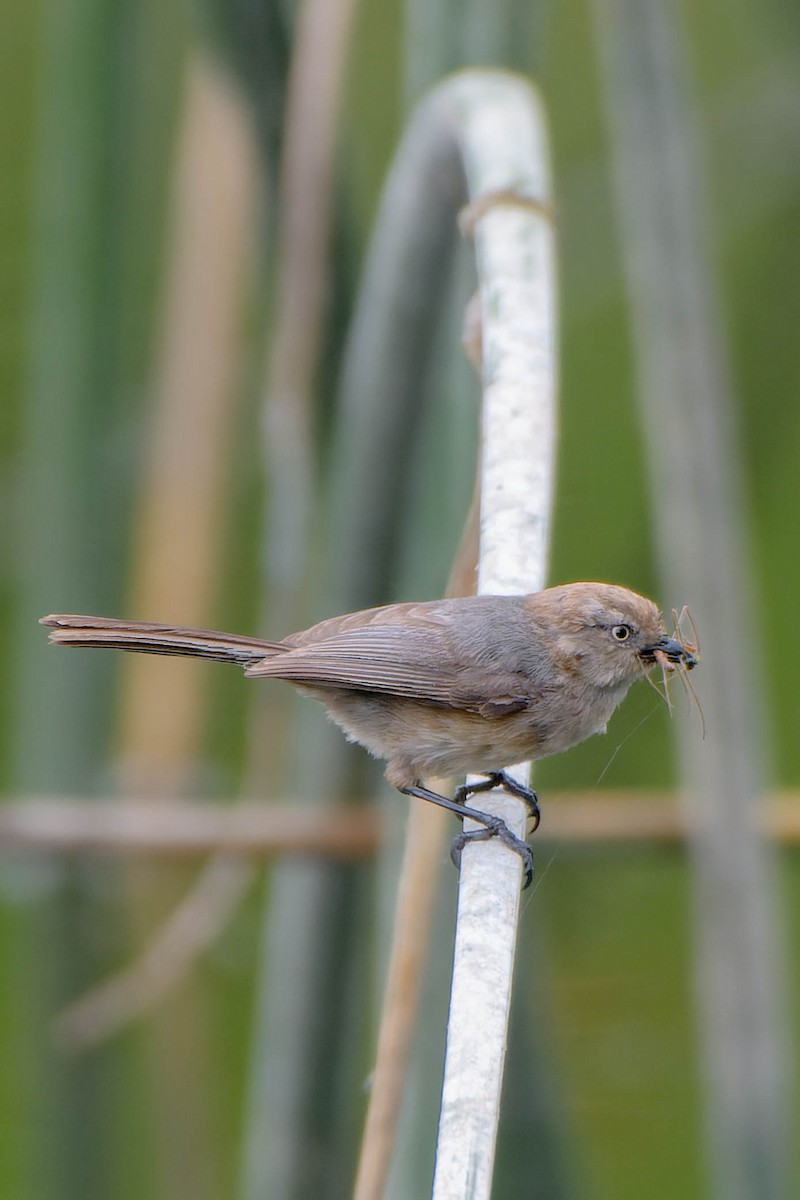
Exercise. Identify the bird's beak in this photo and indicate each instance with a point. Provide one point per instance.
(669, 652)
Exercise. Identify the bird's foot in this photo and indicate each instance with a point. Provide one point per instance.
(494, 827)
(503, 780)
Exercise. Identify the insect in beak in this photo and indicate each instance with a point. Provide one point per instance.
(669, 654)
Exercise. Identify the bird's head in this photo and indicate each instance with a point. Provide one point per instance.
(609, 635)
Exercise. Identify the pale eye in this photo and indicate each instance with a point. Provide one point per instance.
(621, 633)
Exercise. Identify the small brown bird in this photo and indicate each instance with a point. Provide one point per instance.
(446, 687)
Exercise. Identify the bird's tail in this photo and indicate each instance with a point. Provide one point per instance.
(146, 637)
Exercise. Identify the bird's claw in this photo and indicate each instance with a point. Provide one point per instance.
(505, 781)
(494, 827)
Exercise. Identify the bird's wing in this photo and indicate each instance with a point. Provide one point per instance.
(414, 663)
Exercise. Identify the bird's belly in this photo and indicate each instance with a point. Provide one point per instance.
(429, 740)
(421, 740)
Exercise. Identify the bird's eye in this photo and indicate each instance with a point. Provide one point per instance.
(621, 633)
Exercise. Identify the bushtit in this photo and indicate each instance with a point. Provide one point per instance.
(446, 687)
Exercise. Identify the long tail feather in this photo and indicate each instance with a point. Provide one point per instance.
(146, 637)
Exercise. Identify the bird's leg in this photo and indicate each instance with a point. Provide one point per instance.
(494, 827)
(503, 780)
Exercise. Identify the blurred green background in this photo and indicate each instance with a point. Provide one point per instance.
(114, 299)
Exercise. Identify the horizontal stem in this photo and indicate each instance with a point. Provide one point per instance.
(178, 829)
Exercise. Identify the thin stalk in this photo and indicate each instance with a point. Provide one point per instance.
(688, 414)
(498, 124)
(303, 249)
(175, 569)
(63, 543)
(300, 919)
(410, 936)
